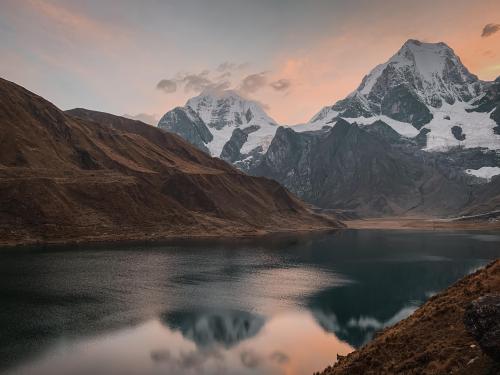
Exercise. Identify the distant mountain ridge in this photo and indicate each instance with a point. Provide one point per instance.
(422, 91)
(420, 135)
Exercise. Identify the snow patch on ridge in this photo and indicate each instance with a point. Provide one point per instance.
(476, 126)
(484, 172)
(261, 138)
(403, 128)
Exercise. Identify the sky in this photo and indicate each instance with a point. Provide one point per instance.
(143, 58)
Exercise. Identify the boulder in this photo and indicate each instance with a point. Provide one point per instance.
(482, 320)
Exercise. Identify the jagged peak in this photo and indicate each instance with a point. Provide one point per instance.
(410, 43)
(432, 70)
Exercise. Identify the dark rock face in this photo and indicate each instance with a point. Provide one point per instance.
(353, 106)
(472, 158)
(231, 152)
(403, 105)
(188, 125)
(371, 170)
(482, 320)
(382, 130)
(421, 138)
(490, 102)
(458, 133)
(288, 160)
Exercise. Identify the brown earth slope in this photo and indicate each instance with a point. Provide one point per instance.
(433, 340)
(89, 176)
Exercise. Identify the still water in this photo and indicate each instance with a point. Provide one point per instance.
(281, 306)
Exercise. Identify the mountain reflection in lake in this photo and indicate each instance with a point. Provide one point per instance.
(286, 306)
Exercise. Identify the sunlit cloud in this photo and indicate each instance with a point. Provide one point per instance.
(195, 82)
(71, 23)
(253, 82)
(167, 85)
(281, 84)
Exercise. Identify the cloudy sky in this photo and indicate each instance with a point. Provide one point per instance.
(293, 56)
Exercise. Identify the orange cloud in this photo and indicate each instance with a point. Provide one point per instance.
(78, 25)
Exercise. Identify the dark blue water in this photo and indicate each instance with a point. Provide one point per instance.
(278, 306)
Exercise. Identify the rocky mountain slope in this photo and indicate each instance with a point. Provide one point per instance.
(371, 170)
(434, 339)
(224, 124)
(91, 176)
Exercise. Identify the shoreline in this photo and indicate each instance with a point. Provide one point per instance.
(226, 236)
(429, 224)
(173, 239)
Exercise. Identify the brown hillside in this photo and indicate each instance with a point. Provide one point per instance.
(433, 340)
(91, 176)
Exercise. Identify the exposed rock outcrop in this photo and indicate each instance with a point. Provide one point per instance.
(371, 170)
(482, 320)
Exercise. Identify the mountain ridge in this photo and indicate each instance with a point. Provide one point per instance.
(371, 170)
(422, 91)
(435, 119)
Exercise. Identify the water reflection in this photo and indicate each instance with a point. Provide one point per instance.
(280, 307)
(154, 348)
(383, 294)
(224, 328)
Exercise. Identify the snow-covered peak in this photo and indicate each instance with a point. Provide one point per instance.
(423, 88)
(418, 77)
(221, 108)
(225, 124)
(432, 70)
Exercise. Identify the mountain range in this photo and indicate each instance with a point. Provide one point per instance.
(83, 175)
(419, 136)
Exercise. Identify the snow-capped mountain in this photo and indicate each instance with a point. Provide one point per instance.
(223, 123)
(220, 108)
(408, 116)
(423, 89)
(371, 152)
